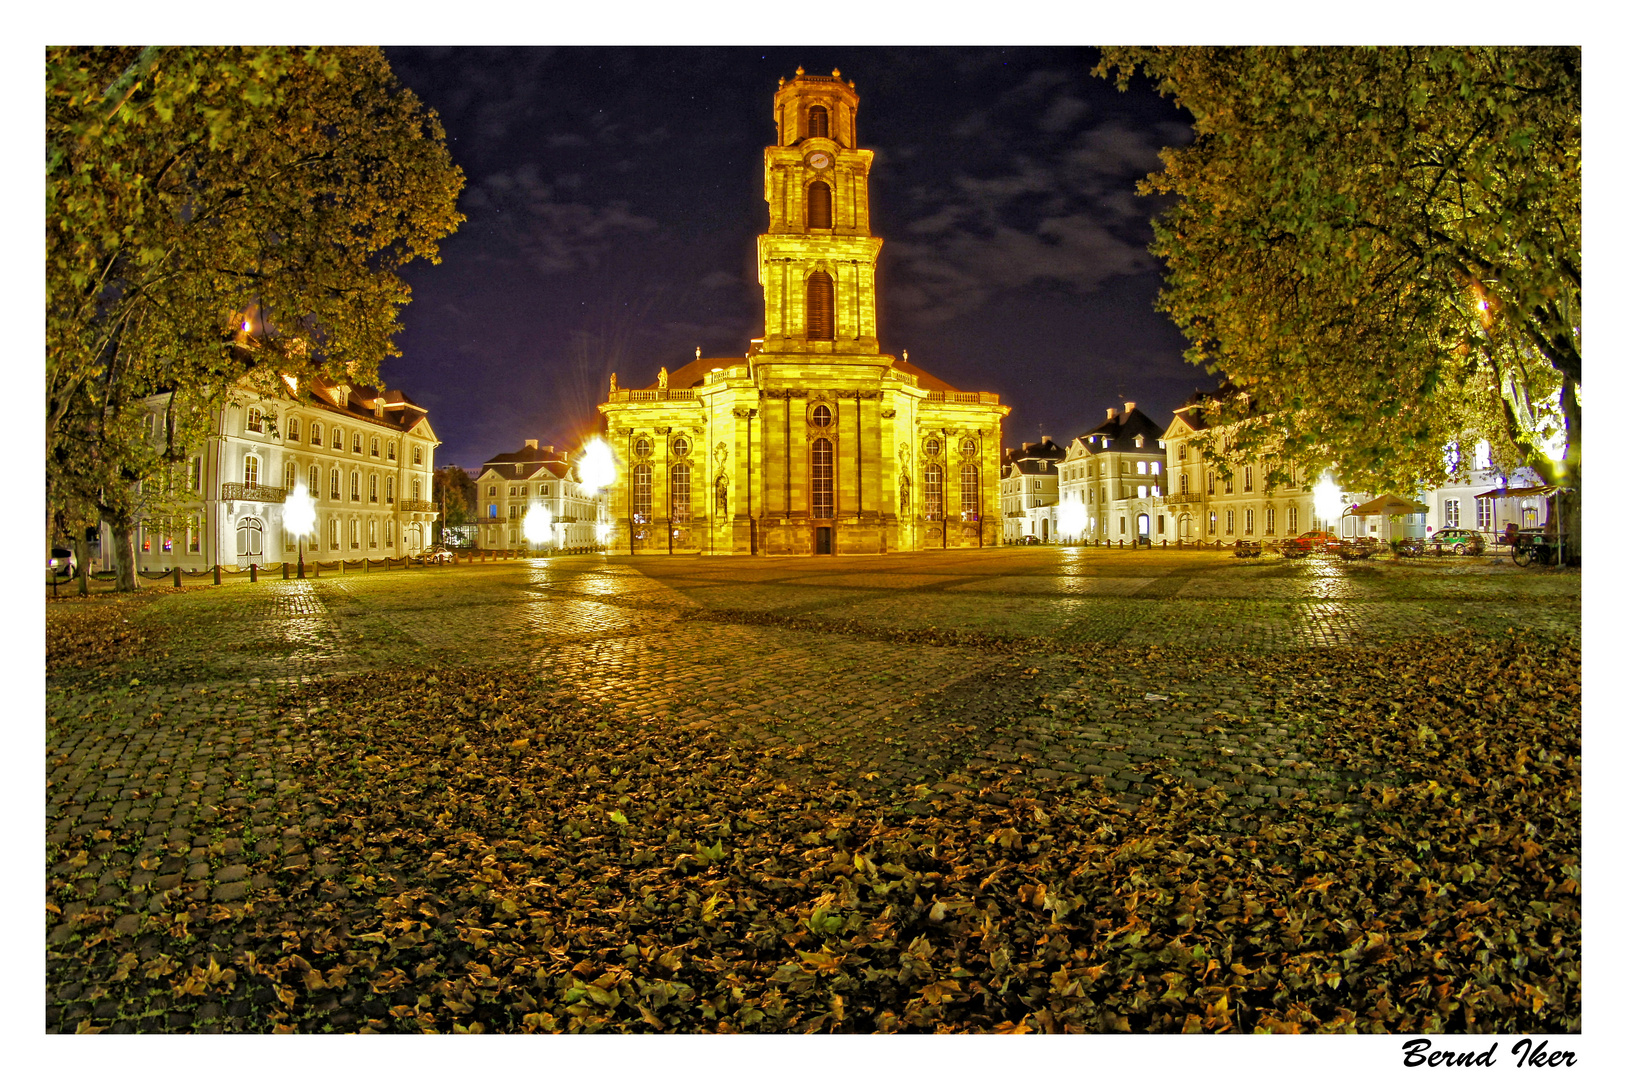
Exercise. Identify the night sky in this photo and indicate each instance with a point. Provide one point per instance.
(614, 196)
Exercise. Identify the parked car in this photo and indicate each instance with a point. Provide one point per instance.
(62, 563)
(1297, 547)
(1320, 540)
(438, 555)
(1026, 540)
(1457, 542)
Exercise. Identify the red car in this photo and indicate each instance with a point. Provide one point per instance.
(1297, 547)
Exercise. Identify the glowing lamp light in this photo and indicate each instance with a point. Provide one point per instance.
(597, 467)
(602, 531)
(1328, 499)
(1070, 519)
(299, 518)
(539, 521)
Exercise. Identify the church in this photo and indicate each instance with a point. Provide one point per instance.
(815, 442)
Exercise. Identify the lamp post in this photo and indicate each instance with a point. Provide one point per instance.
(538, 524)
(299, 514)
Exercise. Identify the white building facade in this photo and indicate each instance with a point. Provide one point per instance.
(537, 477)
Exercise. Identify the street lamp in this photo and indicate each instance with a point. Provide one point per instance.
(596, 468)
(1328, 499)
(538, 524)
(299, 514)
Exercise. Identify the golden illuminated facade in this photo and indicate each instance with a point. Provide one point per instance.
(814, 442)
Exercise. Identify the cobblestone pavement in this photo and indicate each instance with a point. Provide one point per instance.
(903, 673)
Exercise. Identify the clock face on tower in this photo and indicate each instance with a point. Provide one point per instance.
(819, 159)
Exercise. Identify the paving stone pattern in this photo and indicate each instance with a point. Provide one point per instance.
(178, 777)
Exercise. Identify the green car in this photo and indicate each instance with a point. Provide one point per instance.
(1457, 542)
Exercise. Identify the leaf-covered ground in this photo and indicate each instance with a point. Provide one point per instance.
(475, 849)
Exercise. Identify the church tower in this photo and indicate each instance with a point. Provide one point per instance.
(817, 261)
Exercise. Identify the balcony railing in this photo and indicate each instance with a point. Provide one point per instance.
(1189, 498)
(252, 493)
(652, 395)
(960, 397)
(417, 505)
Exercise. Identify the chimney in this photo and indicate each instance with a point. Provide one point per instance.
(1111, 412)
(1129, 407)
(530, 444)
(549, 449)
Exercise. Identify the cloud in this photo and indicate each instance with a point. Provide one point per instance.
(552, 235)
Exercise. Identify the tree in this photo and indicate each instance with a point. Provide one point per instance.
(215, 219)
(1381, 249)
(457, 494)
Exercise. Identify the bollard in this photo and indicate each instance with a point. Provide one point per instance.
(217, 573)
(176, 573)
(254, 572)
(285, 569)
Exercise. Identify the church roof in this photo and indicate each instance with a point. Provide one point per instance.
(693, 373)
(925, 379)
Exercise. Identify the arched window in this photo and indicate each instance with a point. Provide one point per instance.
(932, 491)
(1211, 483)
(251, 470)
(293, 429)
(333, 484)
(355, 487)
(641, 493)
(255, 423)
(389, 533)
(316, 482)
(1248, 477)
(372, 532)
(680, 491)
(389, 489)
(1183, 483)
(418, 455)
(373, 447)
(821, 307)
(316, 433)
(389, 451)
(290, 477)
(333, 533)
(338, 439)
(723, 496)
(417, 490)
(355, 533)
(373, 488)
(818, 205)
(968, 492)
(824, 475)
(818, 122)
(356, 442)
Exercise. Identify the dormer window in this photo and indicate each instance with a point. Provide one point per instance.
(1141, 440)
(818, 122)
(818, 205)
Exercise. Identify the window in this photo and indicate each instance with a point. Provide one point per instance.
(513, 491)
(290, 477)
(251, 470)
(389, 450)
(1271, 521)
(821, 307)
(1231, 522)
(195, 476)
(1121, 524)
(969, 449)
(680, 491)
(822, 486)
(968, 492)
(1211, 484)
(1211, 523)
(1248, 478)
(818, 205)
(1141, 491)
(356, 442)
(1160, 523)
(1181, 453)
(372, 532)
(417, 490)
(1141, 467)
(418, 455)
(1482, 513)
(355, 533)
(932, 490)
(680, 448)
(373, 447)
(316, 433)
(389, 533)
(338, 442)
(1090, 496)
(194, 535)
(1183, 483)
(491, 510)
(1155, 468)
(1452, 510)
(1229, 485)
(389, 489)
(641, 493)
(293, 429)
(355, 486)
(1482, 454)
(525, 492)
(818, 122)
(333, 533)
(641, 447)
(821, 416)
(1293, 520)
(1248, 522)
(373, 488)
(931, 447)
(491, 491)
(256, 422)
(333, 485)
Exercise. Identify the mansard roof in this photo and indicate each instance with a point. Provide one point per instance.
(360, 402)
(1118, 432)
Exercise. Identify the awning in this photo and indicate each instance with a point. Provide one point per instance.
(1541, 491)
(1385, 505)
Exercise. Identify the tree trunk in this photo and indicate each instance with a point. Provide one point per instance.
(82, 573)
(124, 556)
